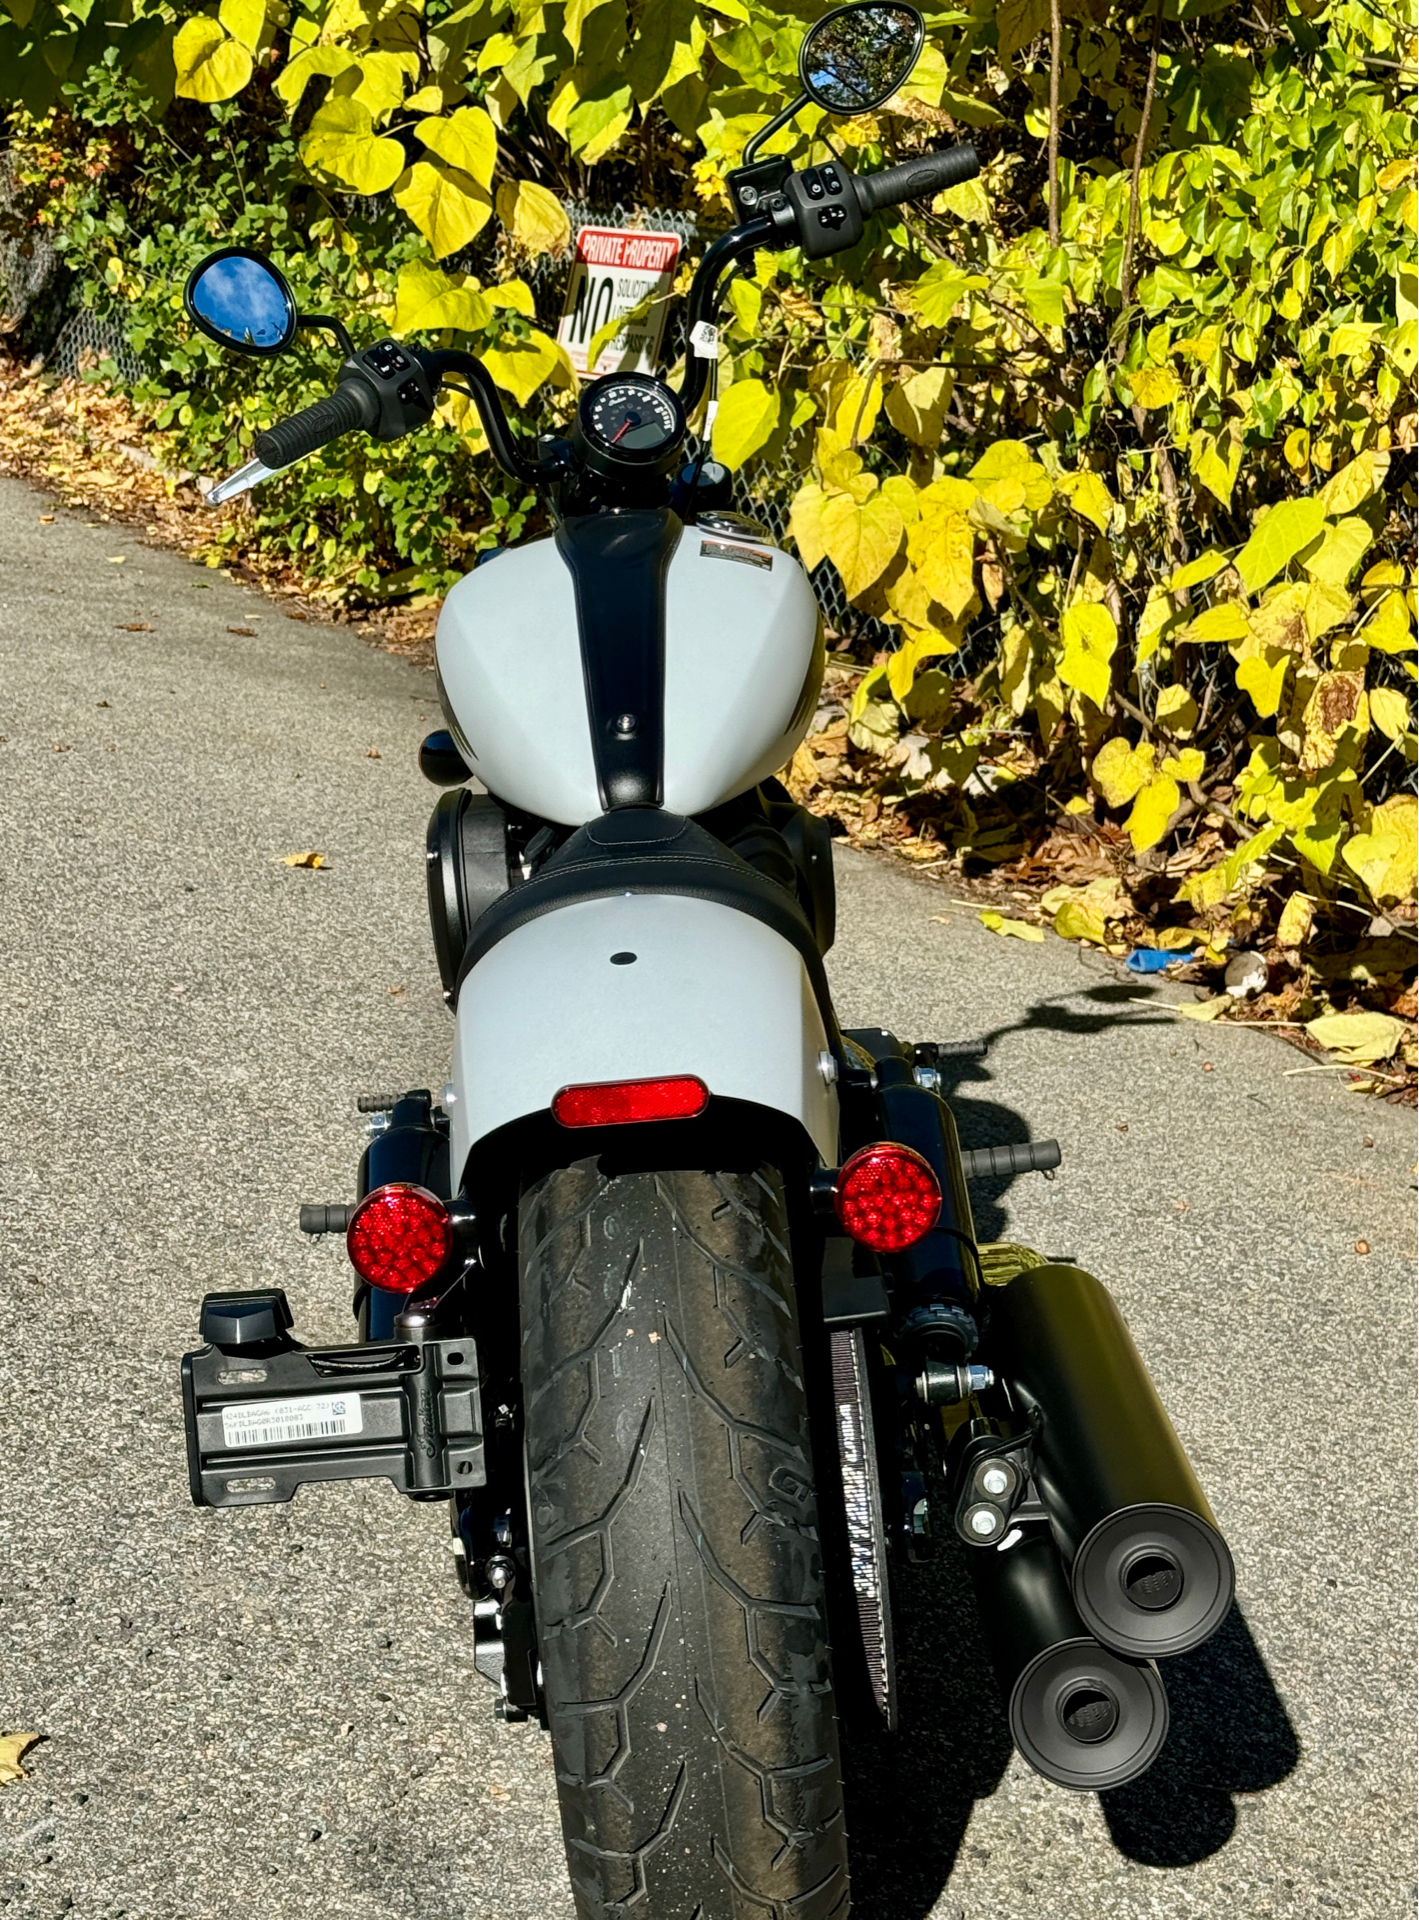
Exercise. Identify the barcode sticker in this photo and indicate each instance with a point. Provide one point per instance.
(276, 1423)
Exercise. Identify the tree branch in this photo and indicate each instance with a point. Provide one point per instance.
(1056, 38)
(1126, 280)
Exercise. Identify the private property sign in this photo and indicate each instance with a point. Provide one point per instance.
(613, 270)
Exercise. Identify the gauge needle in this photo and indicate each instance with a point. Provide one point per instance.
(631, 420)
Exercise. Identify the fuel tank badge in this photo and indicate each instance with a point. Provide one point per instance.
(746, 556)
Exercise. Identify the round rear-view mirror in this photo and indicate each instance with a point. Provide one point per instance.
(857, 56)
(241, 301)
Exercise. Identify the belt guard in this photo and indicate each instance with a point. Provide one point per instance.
(266, 1415)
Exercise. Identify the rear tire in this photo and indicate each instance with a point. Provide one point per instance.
(675, 1549)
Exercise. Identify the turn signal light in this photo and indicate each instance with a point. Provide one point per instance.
(887, 1197)
(613, 1103)
(398, 1237)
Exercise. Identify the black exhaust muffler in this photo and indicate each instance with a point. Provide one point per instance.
(1150, 1573)
(1081, 1715)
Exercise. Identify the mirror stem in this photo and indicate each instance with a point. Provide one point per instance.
(756, 140)
(325, 324)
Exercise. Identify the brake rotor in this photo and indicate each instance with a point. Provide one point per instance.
(867, 1532)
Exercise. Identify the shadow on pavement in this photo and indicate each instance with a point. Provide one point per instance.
(910, 1794)
(986, 1123)
(1229, 1733)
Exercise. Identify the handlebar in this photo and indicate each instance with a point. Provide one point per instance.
(389, 389)
(351, 405)
(914, 179)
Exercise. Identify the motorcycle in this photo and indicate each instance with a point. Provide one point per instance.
(672, 1294)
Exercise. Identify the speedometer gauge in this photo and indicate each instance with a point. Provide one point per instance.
(630, 422)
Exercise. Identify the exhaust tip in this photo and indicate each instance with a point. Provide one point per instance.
(1152, 1580)
(1088, 1713)
(1087, 1719)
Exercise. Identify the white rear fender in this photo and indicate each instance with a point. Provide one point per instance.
(706, 990)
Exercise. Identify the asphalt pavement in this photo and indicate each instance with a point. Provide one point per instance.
(275, 1713)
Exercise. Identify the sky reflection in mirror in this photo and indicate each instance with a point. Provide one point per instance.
(245, 302)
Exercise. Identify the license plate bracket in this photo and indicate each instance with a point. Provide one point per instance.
(263, 1419)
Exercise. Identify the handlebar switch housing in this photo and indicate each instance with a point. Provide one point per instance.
(821, 210)
(401, 386)
(754, 189)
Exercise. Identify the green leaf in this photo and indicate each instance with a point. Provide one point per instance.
(244, 20)
(342, 141)
(595, 125)
(466, 140)
(1340, 551)
(745, 421)
(1043, 300)
(448, 207)
(536, 219)
(1089, 636)
(291, 82)
(1225, 621)
(1018, 22)
(1121, 771)
(521, 366)
(210, 66)
(939, 290)
(426, 300)
(1088, 496)
(1152, 810)
(862, 539)
(1279, 536)
(1196, 571)
(918, 406)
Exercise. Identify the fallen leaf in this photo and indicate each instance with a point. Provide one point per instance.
(304, 860)
(1013, 929)
(1075, 920)
(12, 1745)
(1362, 1246)
(1359, 1039)
(117, 559)
(1293, 929)
(135, 626)
(1205, 1009)
(373, 753)
(247, 633)
(46, 519)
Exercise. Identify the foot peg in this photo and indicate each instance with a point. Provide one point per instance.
(316, 1219)
(994, 1163)
(265, 1415)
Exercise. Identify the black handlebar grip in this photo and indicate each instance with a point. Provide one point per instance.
(351, 405)
(913, 179)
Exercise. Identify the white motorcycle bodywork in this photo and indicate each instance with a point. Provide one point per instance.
(713, 991)
(743, 665)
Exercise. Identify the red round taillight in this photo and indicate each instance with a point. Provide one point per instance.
(888, 1197)
(398, 1237)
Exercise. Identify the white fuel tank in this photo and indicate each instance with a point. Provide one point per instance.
(743, 665)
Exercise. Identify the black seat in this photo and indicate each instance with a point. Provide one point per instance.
(647, 850)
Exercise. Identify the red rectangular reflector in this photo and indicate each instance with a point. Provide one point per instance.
(615, 1102)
